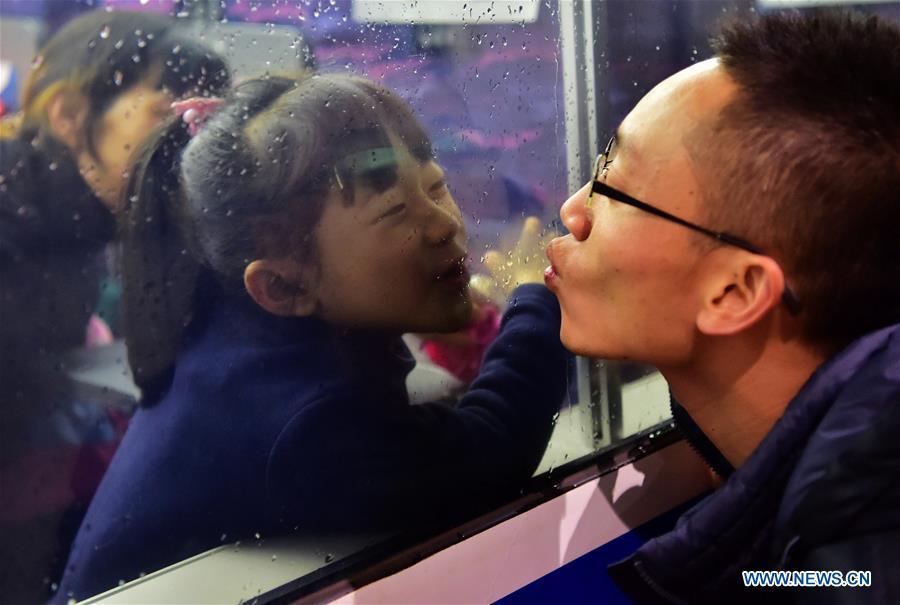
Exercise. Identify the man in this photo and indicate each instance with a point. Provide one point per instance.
(742, 233)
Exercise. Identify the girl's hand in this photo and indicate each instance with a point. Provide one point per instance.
(524, 263)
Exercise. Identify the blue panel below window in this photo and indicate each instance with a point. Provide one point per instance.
(584, 580)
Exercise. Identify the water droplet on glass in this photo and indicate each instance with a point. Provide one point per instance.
(104, 33)
(117, 78)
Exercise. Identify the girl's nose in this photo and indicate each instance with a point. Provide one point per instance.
(575, 215)
(442, 224)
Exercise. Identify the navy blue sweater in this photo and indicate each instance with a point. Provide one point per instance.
(273, 425)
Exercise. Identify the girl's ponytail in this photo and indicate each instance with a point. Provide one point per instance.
(170, 263)
(160, 268)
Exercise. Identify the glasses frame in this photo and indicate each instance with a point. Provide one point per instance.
(788, 297)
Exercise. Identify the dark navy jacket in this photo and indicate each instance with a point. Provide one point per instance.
(821, 492)
(284, 425)
(53, 233)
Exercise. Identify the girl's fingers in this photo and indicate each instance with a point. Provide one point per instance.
(483, 289)
(528, 239)
(493, 260)
(524, 263)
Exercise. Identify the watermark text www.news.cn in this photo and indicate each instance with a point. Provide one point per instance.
(802, 579)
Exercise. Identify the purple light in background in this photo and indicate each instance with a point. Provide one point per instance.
(147, 6)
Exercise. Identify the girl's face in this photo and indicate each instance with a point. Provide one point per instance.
(119, 132)
(394, 259)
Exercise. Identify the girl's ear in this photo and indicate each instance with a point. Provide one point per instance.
(281, 287)
(66, 114)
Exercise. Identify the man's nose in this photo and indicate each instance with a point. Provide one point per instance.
(574, 214)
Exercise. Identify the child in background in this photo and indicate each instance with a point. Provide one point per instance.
(272, 263)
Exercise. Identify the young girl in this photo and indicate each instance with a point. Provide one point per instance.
(318, 229)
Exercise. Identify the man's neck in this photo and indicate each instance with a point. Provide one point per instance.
(736, 391)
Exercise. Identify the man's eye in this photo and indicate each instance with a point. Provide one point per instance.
(605, 170)
(439, 190)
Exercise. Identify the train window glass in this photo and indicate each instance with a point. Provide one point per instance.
(514, 97)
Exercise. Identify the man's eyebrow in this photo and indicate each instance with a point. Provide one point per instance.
(617, 135)
(626, 143)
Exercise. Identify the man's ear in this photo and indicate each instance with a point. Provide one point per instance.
(66, 115)
(281, 287)
(740, 294)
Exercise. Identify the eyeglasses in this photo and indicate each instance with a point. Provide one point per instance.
(601, 168)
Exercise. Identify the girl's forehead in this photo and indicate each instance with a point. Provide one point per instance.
(396, 157)
(367, 160)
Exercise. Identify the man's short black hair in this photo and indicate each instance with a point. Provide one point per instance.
(806, 162)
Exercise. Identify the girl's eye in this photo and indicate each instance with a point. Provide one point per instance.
(392, 211)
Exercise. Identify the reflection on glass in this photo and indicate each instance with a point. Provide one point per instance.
(267, 282)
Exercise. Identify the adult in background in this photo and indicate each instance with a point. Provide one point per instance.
(98, 87)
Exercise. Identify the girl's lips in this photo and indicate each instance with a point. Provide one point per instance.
(455, 275)
(460, 279)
